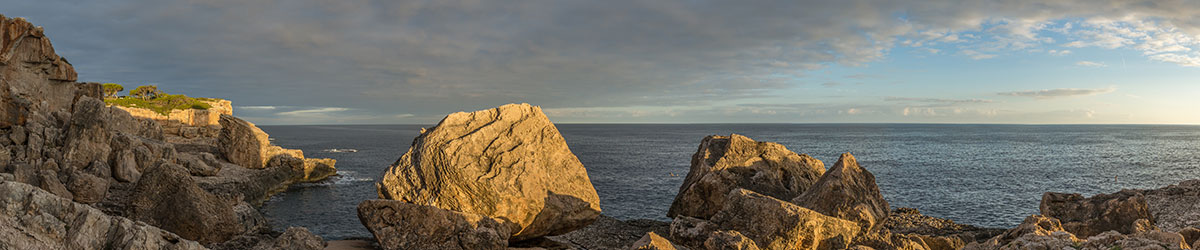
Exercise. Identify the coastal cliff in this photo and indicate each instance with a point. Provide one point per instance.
(79, 174)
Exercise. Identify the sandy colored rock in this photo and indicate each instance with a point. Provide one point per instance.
(31, 218)
(167, 197)
(400, 225)
(298, 238)
(318, 169)
(1086, 217)
(509, 163)
(911, 221)
(847, 191)
(729, 240)
(1036, 232)
(776, 224)
(724, 163)
(242, 143)
(651, 241)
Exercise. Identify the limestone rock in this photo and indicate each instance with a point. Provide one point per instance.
(691, 232)
(1191, 234)
(776, 224)
(167, 197)
(242, 143)
(651, 241)
(1175, 207)
(400, 225)
(48, 180)
(729, 240)
(605, 233)
(197, 166)
(1036, 232)
(298, 238)
(509, 163)
(87, 188)
(911, 221)
(1097, 214)
(724, 163)
(125, 168)
(318, 169)
(849, 192)
(886, 240)
(31, 218)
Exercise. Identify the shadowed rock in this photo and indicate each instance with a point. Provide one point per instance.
(724, 163)
(509, 163)
(729, 240)
(849, 192)
(167, 197)
(400, 225)
(1086, 217)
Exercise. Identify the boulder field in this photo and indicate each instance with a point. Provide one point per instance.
(76, 173)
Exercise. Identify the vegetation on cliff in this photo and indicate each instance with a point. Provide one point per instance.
(149, 97)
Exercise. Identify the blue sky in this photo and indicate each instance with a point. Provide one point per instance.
(624, 61)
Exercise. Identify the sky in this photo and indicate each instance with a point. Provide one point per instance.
(652, 61)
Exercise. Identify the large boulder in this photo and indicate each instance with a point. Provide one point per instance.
(509, 163)
(724, 163)
(849, 192)
(31, 218)
(1086, 217)
(777, 224)
(167, 197)
(400, 225)
(242, 143)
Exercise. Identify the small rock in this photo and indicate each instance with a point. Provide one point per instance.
(17, 135)
(651, 241)
(298, 238)
(729, 240)
(87, 188)
(125, 167)
(400, 225)
(691, 232)
(48, 180)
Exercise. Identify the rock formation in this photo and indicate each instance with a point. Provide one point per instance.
(168, 198)
(1101, 213)
(509, 163)
(849, 192)
(31, 218)
(1175, 207)
(400, 225)
(776, 224)
(651, 241)
(1041, 232)
(724, 163)
(729, 240)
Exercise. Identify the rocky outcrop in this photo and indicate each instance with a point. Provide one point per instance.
(651, 241)
(31, 218)
(849, 192)
(911, 221)
(724, 163)
(400, 225)
(242, 143)
(318, 169)
(1175, 207)
(729, 240)
(509, 163)
(776, 224)
(1041, 232)
(608, 233)
(1086, 217)
(167, 197)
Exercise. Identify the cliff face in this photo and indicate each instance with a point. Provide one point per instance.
(57, 135)
(187, 117)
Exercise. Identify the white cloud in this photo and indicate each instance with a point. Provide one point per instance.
(1056, 93)
(1059, 52)
(310, 112)
(1091, 64)
(977, 55)
(256, 107)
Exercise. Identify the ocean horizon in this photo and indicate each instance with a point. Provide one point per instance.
(989, 175)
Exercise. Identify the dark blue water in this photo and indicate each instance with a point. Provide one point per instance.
(987, 175)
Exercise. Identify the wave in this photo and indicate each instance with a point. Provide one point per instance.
(340, 150)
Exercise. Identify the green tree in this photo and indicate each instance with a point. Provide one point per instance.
(112, 89)
(146, 92)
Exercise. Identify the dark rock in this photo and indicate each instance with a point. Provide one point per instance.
(87, 188)
(400, 225)
(691, 232)
(1086, 217)
(607, 233)
(167, 197)
(729, 240)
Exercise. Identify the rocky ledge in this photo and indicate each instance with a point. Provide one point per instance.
(78, 174)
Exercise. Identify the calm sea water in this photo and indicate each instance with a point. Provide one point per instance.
(987, 175)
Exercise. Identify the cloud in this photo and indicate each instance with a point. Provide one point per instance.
(314, 111)
(977, 55)
(1056, 93)
(256, 107)
(1091, 64)
(1059, 52)
(935, 102)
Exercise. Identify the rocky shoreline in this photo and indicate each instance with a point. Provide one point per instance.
(78, 174)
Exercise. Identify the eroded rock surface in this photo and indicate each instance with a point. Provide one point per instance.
(652, 241)
(1086, 217)
(401, 225)
(724, 163)
(509, 163)
(167, 197)
(847, 191)
(776, 224)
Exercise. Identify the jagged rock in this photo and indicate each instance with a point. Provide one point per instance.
(691, 232)
(911, 221)
(125, 168)
(510, 163)
(776, 224)
(31, 218)
(167, 197)
(48, 180)
(724, 163)
(1036, 232)
(400, 225)
(1191, 234)
(251, 220)
(1097, 214)
(197, 166)
(298, 238)
(605, 233)
(886, 240)
(318, 169)
(99, 169)
(87, 188)
(849, 192)
(1175, 207)
(729, 240)
(88, 137)
(242, 143)
(651, 241)
(252, 185)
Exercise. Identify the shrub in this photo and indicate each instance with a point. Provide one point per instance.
(146, 92)
(112, 89)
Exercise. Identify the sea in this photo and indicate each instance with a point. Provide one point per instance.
(984, 175)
